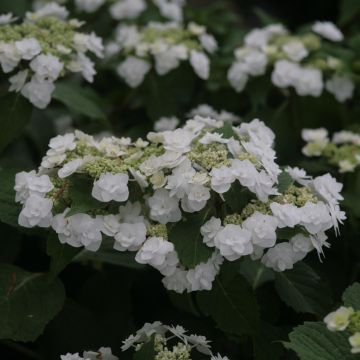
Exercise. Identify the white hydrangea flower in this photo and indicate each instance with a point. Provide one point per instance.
(127, 9)
(131, 213)
(29, 183)
(164, 208)
(288, 215)
(255, 61)
(38, 92)
(320, 134)
(46, 67)
(177, 281)
(52, 9)
(130, 236)
(200, 63)
(295, 50)
(89, 6)
(301, 243)
(70, 356)
(111, 187)
(309, 82)
(285, 73)
(158, 253)
(221, 179)
(166, 124)
(327, 188)
(178, 140)
(258, 133)
(281, 257)
(328, 30)
(133, 70)
(237, 76)
(9, 57)
(208, 42)
(104, 353)
(70, 168)
(7, 18)
(209, 230)
(28, 48)
(342, 87)
(315, 217)
(339, 319)
(262, 228)
(298, 175)
(110, 224)
(18, 81)
(233, 242)
(354, 341)
(36, 212)
(196, 198)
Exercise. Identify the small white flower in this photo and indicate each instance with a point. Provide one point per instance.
(89, 6)
(133, 70)
(103, 353)
(127, 9)
(28, 48)
(36, 212)
(164, 208)
(328, 30)
(315, 217)
(320, 134)
(221, 179)
(209, 138)
(131, 213)
(46, 67)
(342, 87)
(9, 57)
(288, 215)
(263, 229)
(295, 50)
(7, 18)
(70, 167)
(354, 341)
(309, 82)
(327, 188)
(208, 42)
(38, 92)
(69, 356)
(209, 231)
(233, 242)
(166, 124)
(178, 140)
(111, 187)
(18, 81)
(339, 319)
(237, 76)
(196, 198)
(298, 175)
(200, 63)
(130, 236)
(285, 73)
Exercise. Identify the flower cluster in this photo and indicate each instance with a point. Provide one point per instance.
(162, 46)
(103, 353)
(342, 151)
(42, 49)
(163, 335)
(190, 175)
(346, 319)
(125, 9)
(298, 61)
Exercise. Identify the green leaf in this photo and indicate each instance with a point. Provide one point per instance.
(61, 254)
(303, 290)
(28, 301)
(80, 193)
(313, 341)
(288, 233)
(188, 241)
(78, 100)
(232, 304)
(15, 115)
(348, 11)
(9, 209)
(227, 131)
(147, 351)
(113, 257)
(264, 17)
(284, 181)
(183, 302)
(351, 296)
(237, 197)
(255, 272)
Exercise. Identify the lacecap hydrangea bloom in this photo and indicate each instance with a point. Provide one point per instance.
(124, 9)
(346, 319)
(162, 46)
(306, 62)
(210, 185)
(170, 342)
(43, 48)
(342, 151)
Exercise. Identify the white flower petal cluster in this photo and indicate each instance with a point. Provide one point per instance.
(296, 61)
(138, 48)
(145, 190)
(103, 353)
(186, 343)
(35, 62)
(344, 147)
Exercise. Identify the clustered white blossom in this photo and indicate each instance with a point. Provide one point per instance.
(342, 151)
(103, 353)
(141, 189)
(162, 46)
(42, 49)
(346, 319)
(183, 344)
(124, 9)
(298, 61)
